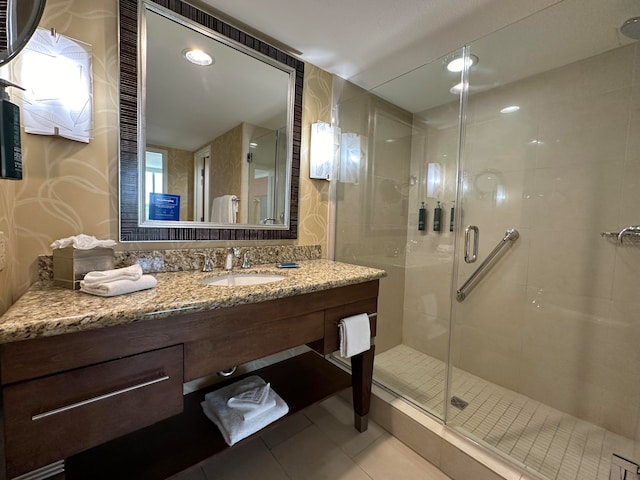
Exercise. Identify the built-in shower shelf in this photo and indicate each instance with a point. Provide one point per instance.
(629, 235)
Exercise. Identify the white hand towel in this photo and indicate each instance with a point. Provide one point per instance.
(231, 424)
(119, 287)
(134, 272)
(224, 209)
(252, 402)
(82, 242)
(355, 335)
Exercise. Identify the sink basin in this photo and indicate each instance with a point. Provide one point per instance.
(242, 279)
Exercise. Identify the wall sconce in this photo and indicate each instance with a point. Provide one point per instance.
(352, 149)
(325, 146)
(58, 100)
(434, 180)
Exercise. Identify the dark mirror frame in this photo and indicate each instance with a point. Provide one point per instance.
(130, 230)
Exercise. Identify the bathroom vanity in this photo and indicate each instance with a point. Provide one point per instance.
(94, 385)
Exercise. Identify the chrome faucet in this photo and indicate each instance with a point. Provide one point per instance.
(208, 264)
(233, 252)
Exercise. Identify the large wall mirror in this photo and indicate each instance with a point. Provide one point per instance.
(209, 146)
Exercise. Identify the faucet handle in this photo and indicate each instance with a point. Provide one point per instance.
(208, 264)
(245, 260)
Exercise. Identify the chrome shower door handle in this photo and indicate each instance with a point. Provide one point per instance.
(468, 257)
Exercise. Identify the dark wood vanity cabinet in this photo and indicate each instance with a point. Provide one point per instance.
(114, 394)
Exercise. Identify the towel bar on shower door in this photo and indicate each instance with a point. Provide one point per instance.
(510, 235)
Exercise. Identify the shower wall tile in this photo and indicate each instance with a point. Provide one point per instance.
(578, 197)
(584, 129)
(426, 333)
(576, 263)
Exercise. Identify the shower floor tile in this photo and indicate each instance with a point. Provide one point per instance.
(556, 445)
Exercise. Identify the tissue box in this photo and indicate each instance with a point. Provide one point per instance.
(71, 264)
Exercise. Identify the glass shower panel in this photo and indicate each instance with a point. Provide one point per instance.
(407, 133)
(544, 357)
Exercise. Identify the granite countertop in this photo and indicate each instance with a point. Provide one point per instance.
(45, 310)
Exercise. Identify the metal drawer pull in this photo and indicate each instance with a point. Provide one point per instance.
(98, 398)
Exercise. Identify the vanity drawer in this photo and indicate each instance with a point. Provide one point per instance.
(53, 417)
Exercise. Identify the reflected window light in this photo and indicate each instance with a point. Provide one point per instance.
(351, 155)
(434, 180)
(510, 109)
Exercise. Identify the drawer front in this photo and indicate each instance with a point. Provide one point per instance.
(53, 417)
(332, 317)
(233, 340)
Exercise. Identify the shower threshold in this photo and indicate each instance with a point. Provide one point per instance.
(552, 444)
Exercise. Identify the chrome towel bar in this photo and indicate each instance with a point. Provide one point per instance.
(510, 235)
(632, 231)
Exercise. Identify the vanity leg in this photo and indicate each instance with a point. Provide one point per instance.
(361, 378)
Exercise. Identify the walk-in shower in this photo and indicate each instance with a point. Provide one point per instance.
(539, 360)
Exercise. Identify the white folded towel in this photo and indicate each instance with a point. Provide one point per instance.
(134, 272)
(355, 335)
(253, 401)
(119, 287)
(82, 242)
(231, 423)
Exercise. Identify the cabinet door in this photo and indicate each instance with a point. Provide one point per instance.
(53, 417)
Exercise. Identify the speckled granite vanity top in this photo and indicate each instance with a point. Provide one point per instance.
(45, 310)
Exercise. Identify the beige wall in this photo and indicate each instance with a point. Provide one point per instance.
(71, 187)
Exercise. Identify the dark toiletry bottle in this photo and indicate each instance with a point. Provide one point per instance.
(10, 150)
(437, 217)
(422, 217)
(453, 209)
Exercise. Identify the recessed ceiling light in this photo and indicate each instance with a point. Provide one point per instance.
(456, 64)
(510, 109)
(198, 57)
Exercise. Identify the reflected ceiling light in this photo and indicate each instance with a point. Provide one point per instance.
(457, 64)
(510, 109)
(197, 57)
(253, 145)
(456, 89)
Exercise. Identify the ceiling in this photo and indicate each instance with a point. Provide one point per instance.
(387, 46)
(370, 42)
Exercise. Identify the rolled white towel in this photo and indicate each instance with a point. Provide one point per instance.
(119, 287)
(134, 272)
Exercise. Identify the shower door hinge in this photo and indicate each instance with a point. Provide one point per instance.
(623, 469)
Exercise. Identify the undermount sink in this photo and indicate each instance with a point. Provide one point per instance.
(242, 279)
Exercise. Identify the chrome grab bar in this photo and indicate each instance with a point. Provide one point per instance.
(509, 236)
(467, 243)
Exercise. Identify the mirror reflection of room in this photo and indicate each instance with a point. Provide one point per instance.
(213, 158)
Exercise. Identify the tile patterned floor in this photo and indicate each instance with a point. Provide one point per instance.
(552, 443)
(319, 443)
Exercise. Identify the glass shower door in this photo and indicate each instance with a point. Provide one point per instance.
(405, 133)
(544, 358)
